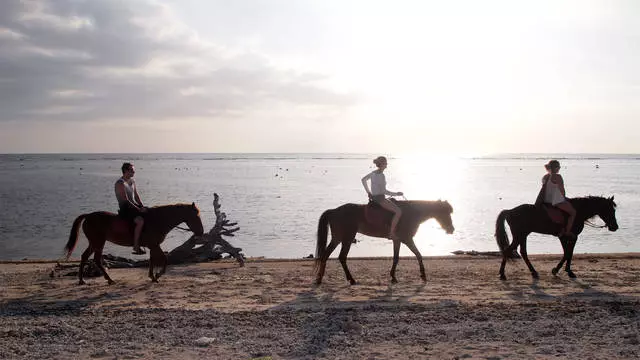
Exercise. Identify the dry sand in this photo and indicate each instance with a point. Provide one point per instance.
(271, 310)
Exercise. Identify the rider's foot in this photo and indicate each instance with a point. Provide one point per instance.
(138, 251)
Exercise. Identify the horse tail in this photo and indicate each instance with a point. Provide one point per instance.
(323, 233)
(501, 234)
(73, 236)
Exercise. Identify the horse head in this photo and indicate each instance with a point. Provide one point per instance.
(439, 210)
(606, 210)
(444, 216)
(193, 220)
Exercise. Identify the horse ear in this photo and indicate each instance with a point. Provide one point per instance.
(193, 204)
(612, 197)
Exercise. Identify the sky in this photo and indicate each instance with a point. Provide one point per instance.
(421, 77)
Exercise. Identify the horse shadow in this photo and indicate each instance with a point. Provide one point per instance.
(583, 291)
(329, 319)
(38, 305)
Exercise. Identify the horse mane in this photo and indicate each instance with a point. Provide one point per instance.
(430, 206)
(593, 197)
(163, 208)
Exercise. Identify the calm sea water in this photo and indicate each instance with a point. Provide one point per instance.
(277, 198)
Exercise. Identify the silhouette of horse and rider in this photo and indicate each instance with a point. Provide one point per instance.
(399, 220)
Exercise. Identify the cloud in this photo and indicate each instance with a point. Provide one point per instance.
(125, 59)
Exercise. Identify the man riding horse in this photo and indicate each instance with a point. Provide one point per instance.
(130, 204)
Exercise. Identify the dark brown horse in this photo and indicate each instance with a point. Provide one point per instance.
(347, 220)
(102, 226)
(527, 218)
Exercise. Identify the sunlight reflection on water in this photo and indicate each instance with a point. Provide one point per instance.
(277, 199)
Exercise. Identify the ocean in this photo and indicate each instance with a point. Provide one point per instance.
(277, 198)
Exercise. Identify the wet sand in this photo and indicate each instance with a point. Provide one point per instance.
(271, 309)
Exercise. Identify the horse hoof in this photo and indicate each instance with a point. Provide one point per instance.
(571, 274)
(554, 271)
(503, 278)
(111, 282)
(353, 282)
(535, 275)
(394, 281)
(81, 282)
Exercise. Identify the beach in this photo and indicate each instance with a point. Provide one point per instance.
(271, 309)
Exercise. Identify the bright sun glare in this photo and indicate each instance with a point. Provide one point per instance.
(423, 177)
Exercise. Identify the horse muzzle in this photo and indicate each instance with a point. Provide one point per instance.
(613, 227)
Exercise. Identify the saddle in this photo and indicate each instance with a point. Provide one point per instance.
(121, 225)
(377, 216)
(555, 215)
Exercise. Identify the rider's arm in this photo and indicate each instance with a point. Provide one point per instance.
(122, 194)
(560, 183)
(364, 183)
(137, 197)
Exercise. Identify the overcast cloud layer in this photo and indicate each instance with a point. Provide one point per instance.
(121, 59)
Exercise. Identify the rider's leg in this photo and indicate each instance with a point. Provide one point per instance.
(139, 221)
(569, 209)
(387, 204)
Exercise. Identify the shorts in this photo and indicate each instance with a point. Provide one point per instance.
(129, 213)
(378, 198)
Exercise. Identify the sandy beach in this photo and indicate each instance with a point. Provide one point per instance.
(270, 309)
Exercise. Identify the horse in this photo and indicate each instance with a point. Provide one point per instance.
(347, 220)
(102, 226)
(527, 218)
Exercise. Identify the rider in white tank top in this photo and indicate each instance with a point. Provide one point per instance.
(553, 195)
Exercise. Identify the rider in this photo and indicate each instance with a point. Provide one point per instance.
(555, 195)
(130, 205)
(379, 190)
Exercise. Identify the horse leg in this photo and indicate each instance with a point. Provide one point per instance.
(571, 244)
(97, 258)
(152, 258)
(396, 258)
(412, 246)
(523, 252)
(510, 249)
(162, 258)
(346, 245)
(564, 244)
(83, 261)
(323, 260)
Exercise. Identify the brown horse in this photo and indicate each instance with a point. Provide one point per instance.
(347, 220)
(101, 226)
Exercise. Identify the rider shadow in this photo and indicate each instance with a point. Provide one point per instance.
(328, 317)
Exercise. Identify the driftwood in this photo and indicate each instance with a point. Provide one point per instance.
(209, 247)
(482, 253)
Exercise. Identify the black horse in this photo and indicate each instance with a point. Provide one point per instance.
(527, 218)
